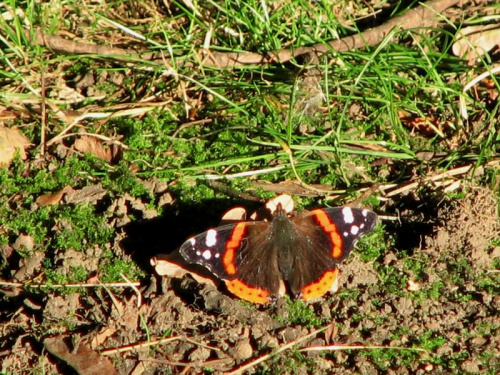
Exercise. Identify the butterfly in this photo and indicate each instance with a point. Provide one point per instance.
(258, 260)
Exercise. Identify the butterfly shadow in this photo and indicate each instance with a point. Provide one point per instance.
(157, 240)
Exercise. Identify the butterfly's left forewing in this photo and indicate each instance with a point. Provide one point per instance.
(208, 249)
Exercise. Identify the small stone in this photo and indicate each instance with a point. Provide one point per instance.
(470, 366)
(24, 242)
(477, 341)
(243, 350)
(269, 341)
(199, 355)
(429, 367)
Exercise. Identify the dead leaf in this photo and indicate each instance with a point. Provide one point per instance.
(82, 359)
(93, 279)
(331, 332)
(235, 214)
(173, 265)
(11, 140)
(87, 194)
(265, 213)
(475, 41)
(53, 198)
(427, 126)
(28, 266)
(382, 161)
(430, 155)
(102, 336)
(94, 146)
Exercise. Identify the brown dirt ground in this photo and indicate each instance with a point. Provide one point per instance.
(205, 328)
(436, 288)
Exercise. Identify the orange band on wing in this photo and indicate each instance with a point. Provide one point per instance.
(246, 292)
(331, 229)
(231, 246)
(320, 287)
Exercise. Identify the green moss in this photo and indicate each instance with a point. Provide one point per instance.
(75, 275)
(299, 313)
(373, 245)
(112, 269)
(384, 359)
(81, 228)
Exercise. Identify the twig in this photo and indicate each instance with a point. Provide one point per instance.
(356, 347)
(83, 285)
(59, 44)
(244, 173)
(147, 344)
(207, 364)
(44, 114)
(422, 16)
(449, 173)
(463, 108)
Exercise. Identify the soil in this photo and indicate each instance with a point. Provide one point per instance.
(448, 306)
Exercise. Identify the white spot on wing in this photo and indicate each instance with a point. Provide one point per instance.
(192, 241)
(364, 212)
(207, 254)
(211, 238)
(198, 253)
(217, 255)
(345, 234)
(348, 216)
(354, 230)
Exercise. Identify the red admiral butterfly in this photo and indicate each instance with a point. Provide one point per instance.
(256, 258)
